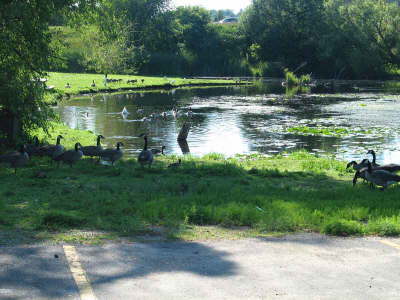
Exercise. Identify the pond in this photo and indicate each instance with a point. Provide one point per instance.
(344, 119)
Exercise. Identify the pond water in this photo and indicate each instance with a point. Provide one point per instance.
(251, 119)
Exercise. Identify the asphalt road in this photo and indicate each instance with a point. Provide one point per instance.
(294, 267)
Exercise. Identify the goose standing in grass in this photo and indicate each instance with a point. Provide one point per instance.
(358, 166)
(93, 84)
(31, 149)
(378, 177)
(388, 167)
(158, 151)
(67, 86)
(374, 164)
(52, 150)
(145, 156)
(175, 165)
(71, 156)
(16, 159)
(93, 151)
(112, 155)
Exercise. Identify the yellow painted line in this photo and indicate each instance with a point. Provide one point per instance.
(391, 244)
(85, 289)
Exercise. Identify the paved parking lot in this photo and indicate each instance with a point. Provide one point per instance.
(306, 266)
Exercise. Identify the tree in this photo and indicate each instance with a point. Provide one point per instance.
(25, 53)
(286, 31)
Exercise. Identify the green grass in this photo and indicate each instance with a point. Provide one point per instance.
(81, 83)
(326, 131)
(236, 197)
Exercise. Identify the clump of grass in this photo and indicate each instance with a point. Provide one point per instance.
(58, 219)
(343, 228)
(292, 80)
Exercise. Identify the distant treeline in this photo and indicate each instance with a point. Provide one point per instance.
(328, 38)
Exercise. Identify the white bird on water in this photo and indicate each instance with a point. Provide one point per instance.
(125, 111)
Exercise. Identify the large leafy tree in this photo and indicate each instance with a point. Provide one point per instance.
(285, 31)
(25, 53)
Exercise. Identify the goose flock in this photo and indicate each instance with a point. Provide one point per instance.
(57, 153)
(156, 116)
(375, 174)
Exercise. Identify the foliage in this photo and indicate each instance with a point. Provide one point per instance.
(24, 55)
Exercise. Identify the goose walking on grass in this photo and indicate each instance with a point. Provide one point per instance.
(175, 165)
(52, 150)
(357, 166)
(31, 149)
(145, 156)
(93, 151)
(388, 167)
(71, 156)
(374, 164)
(16, 159)
(158, 151)
(112, 155)
(378, 177)
(93, 84)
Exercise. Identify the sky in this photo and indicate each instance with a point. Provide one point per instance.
(235, 5)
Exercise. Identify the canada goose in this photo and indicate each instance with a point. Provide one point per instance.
(142, 80)
(379, 177)
(358, 166)
(146, 156)
(16, 159)
(158, 151)
(52, 150)
(374, 164)
(67, 86)
(112, 155)
(93, 84)
(189, 113)
(175, 165)
(125, 111)
(71, 156)
(93, 150)
(389, 167)
(174, 112)
(31, 149)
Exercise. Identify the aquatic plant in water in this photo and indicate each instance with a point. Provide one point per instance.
(327, 131)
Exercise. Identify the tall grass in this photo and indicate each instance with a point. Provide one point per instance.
(292, 80)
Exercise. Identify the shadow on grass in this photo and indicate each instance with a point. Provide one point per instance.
(278, 194)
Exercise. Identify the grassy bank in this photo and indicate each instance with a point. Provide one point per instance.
(259, 195)
(81, 83)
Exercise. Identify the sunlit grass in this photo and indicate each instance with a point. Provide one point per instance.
(265, 195)
(81, 83)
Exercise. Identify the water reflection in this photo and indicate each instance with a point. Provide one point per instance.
(252, 119)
